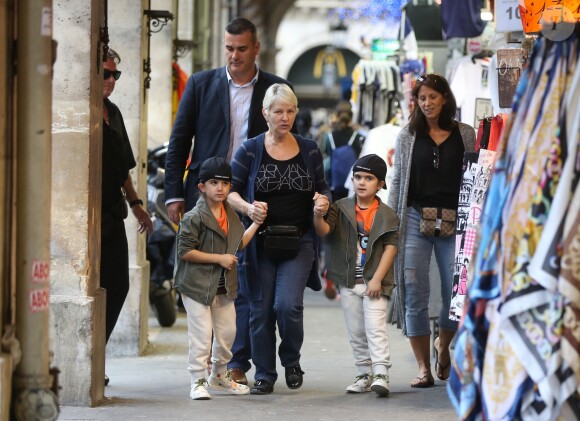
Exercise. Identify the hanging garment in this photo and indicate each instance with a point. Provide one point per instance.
(483, 134)
(465, 189)
(378, 86)
(514, 312)
(381, 141)
(462, 18)
(497, 124)
(476, 183)
(471, 90)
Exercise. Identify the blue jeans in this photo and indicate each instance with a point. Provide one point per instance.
(283, 283)
(241, 349)
(418, 251)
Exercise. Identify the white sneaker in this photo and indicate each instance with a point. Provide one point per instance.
(381, 384)
(224, 382)
(199, 390)
(362, 384)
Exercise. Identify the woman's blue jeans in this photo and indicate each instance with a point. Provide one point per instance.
(283, 283)
(418, 251)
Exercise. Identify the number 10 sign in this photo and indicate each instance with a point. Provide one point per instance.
(507, 16)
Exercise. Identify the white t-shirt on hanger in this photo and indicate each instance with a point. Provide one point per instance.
(470, 85)
(381, 141)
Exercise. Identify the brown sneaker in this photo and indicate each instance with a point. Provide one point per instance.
(238, 375)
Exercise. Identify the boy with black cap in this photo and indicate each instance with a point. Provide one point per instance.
(206, 276)
(362, 243)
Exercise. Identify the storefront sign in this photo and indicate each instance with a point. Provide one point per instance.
(507, 16)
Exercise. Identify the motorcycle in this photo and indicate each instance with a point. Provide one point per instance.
(160, 249)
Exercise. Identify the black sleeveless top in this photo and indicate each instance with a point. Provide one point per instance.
(436, 171)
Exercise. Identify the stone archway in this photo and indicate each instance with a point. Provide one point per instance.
(267, 16)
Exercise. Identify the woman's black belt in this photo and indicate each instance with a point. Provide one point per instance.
(303, 228)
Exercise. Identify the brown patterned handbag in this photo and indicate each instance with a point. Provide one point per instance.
(437, 222)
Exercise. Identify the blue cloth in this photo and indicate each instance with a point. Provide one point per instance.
(418, 251)
(282, 284)
(241, 349)
(462, 18)
(412, 66)
(408, 27)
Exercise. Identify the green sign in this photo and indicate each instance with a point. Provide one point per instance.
(382, 49)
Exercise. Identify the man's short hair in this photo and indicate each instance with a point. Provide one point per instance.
(240, 26)
(113, 55)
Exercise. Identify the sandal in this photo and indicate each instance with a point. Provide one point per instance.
(440, 369)
(423, 382)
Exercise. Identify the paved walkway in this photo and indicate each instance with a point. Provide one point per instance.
(156, 386)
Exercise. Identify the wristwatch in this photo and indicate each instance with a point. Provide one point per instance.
(135, 202)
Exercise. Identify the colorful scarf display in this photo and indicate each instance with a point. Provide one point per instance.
(517, 354)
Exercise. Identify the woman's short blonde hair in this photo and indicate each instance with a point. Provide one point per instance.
(281, 93)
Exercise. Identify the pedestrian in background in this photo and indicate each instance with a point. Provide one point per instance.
(341, 147)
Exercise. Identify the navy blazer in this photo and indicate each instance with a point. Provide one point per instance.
(204, 113)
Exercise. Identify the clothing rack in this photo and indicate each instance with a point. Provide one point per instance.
(376, 91)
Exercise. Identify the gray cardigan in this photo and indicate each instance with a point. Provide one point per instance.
(398, 193)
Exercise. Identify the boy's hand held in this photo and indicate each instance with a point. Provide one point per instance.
(258, 211)
(321, 204)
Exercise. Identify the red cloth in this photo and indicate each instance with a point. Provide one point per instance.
(180, 79)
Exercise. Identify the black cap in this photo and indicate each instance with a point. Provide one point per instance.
(215, 169)
(372, 164)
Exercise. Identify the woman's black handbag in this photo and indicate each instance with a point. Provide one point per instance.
(281, 241)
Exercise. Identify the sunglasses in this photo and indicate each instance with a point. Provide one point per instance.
(107, 74)
(435, 157)
(432, 77)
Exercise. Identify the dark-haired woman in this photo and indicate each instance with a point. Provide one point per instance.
(428, 170)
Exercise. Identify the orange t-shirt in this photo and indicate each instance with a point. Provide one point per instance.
(223, 220)
(364, 222)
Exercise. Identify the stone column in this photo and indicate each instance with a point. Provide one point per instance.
(161, 91)
(77, 330)
(127, 36)
(77, 302)
(6, 214)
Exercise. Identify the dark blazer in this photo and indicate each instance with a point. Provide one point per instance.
(204, 113)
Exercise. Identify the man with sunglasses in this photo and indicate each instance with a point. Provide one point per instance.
(117, 191)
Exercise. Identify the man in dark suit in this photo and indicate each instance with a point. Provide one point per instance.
(219, 109)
